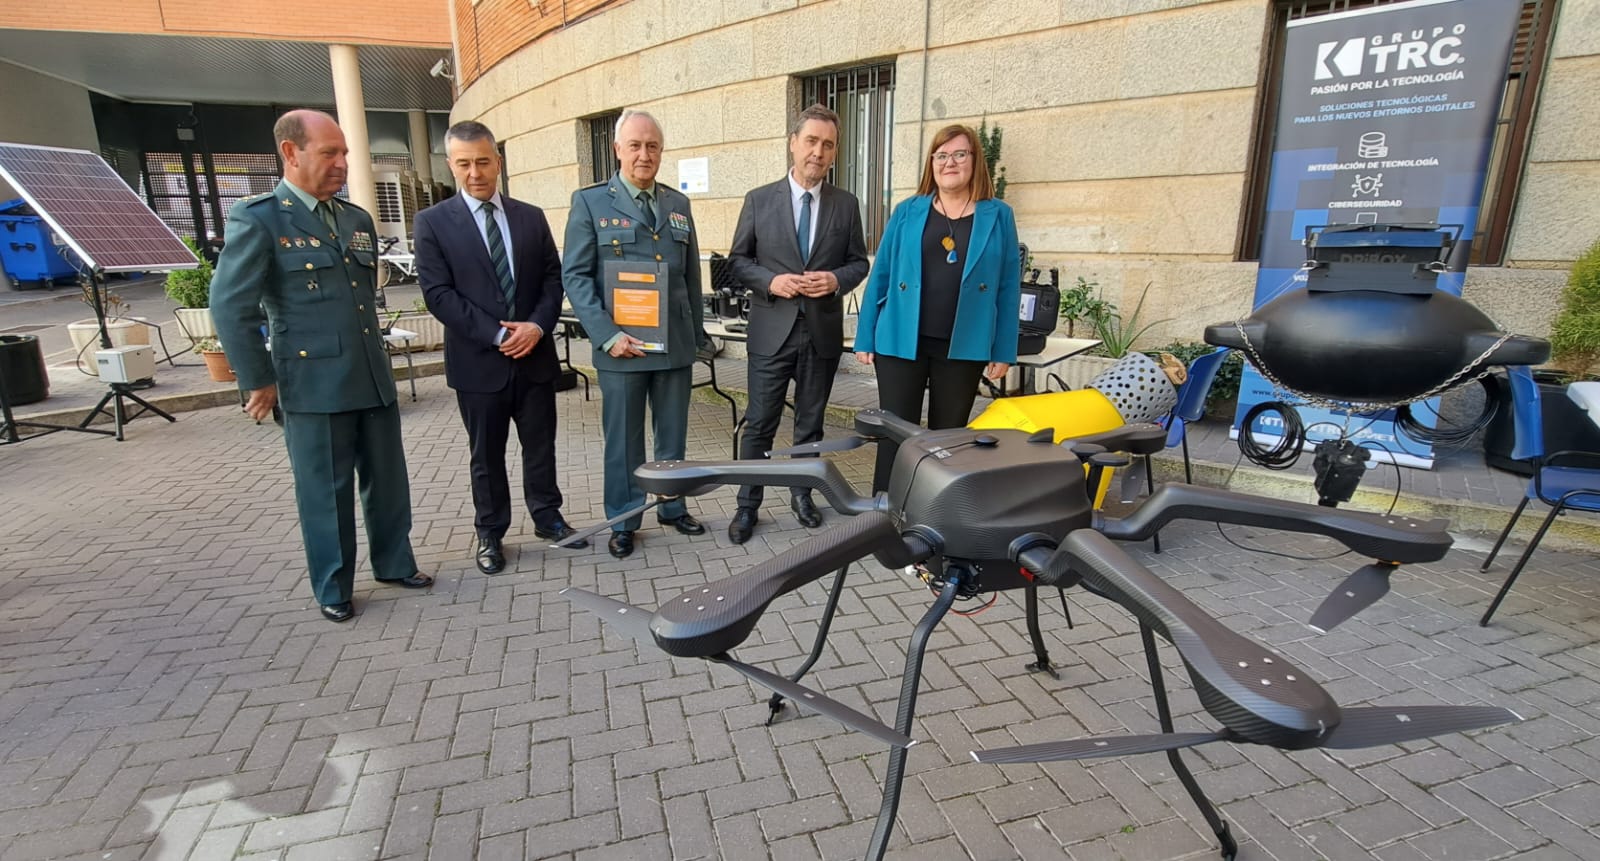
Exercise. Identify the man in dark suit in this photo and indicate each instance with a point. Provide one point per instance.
(798, 248)
(292, 252)
(631, 218)
(489, 271)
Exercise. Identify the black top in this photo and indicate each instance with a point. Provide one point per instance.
(941, 280)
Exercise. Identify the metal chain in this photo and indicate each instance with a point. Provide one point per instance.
(1457, 378)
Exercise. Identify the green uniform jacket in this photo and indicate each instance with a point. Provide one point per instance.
(595, 234)
(319, 292)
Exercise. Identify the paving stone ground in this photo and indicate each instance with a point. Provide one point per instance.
(168, 690)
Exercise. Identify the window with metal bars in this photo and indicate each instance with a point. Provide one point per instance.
(596, 160)
(1506, 154)
(166, 186)
(863, 97)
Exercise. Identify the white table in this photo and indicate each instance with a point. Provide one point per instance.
(1057, 348)
(399, 340)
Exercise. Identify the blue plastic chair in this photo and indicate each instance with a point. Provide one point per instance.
(1192, 403)
(1559, 480)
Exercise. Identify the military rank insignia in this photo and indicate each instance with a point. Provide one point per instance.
(678, 220)
(361, 241)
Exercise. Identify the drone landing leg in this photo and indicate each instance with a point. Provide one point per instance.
(1031, 610)
(1224, 836)
(908, 706)
(775, 705)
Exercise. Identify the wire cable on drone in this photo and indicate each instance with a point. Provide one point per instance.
(1283, 453)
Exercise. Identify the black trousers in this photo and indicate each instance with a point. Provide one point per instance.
(951, 386)
(488, 417)
(797, 359)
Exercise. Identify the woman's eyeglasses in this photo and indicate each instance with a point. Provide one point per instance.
(960, 156)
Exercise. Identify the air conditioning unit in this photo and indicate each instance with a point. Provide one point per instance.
(399, 200)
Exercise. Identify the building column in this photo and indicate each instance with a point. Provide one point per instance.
(421, 147)
(352, 108)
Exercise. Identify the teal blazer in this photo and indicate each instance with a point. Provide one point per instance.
(991, 287)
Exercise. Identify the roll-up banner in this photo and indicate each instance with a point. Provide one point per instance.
(1386, 116)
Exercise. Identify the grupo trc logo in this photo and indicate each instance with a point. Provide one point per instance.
(1419, 48)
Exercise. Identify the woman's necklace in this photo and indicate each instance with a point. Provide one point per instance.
(949, 240)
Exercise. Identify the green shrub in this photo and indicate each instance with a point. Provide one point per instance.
(1118, 334)
(1575, 334)
(1082, 302)
(191, 288)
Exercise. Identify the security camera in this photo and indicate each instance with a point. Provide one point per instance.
(441, 69)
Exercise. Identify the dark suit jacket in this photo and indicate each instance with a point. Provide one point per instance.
(327, 345)
(602, 225)
(765, 245)
(461, 288)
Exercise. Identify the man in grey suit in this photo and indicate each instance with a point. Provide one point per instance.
(798, 248)
(633, 219)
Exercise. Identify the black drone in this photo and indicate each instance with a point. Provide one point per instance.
(989, 511)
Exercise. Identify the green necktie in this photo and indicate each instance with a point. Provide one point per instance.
(648, 210)
(325, 212)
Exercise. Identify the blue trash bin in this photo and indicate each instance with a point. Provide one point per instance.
(28, 254)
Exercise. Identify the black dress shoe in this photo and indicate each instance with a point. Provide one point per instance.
(742, 525)
(686, 525)
(341, 612)
(491, 557)
(621, 544)
(415, 581)
(559, 533)
(806, 512)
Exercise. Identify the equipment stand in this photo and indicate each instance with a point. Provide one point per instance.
(1229, 848)
(775, 704)
(9, 423)
(118, 412)
(909, 681)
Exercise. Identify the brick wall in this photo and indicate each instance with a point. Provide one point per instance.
(373, 22)
(488, 31)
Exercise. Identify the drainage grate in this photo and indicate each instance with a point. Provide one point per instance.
(18, 330)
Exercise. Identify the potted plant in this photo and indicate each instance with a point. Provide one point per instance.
(191, 289)
(1117, 335)
(123, 329)
(216, 361)
(1082, 301)
(430, 332)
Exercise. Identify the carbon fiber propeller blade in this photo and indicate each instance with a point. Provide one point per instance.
(1375, 725)
(1358, 592)
(821, 447)
(817, 702)
(626, 618)
(585, 534)
(1094, 748)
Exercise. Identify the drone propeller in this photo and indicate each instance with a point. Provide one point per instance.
(1361, 727)
(1358, 592)
(826, 446)
(626, 618)
(822, 705)
(1369, 726)
(585, 534)
(1094, 748)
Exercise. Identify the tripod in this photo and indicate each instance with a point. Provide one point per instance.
(9, 424)
(119, 391)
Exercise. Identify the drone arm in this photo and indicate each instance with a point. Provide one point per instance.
(691, 478)
(883, 424)
(1392, 539)
(713, 619)
(1253, 692)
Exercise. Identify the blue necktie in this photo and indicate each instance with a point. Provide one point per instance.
(497, 256)
(804, 233)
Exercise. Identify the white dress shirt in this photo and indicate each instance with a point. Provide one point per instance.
(816, 209)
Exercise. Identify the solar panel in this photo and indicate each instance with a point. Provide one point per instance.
(92, 210)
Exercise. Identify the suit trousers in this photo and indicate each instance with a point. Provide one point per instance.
(951, 384)
(623, 397)
(488, 417)
(327, 452)
(768, 378)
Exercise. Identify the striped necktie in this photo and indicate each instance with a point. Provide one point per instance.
(497, 256)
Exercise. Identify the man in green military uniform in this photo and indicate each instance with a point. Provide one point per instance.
(293, 252)
(634, 218)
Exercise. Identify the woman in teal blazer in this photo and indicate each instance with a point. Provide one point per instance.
(941, 304)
